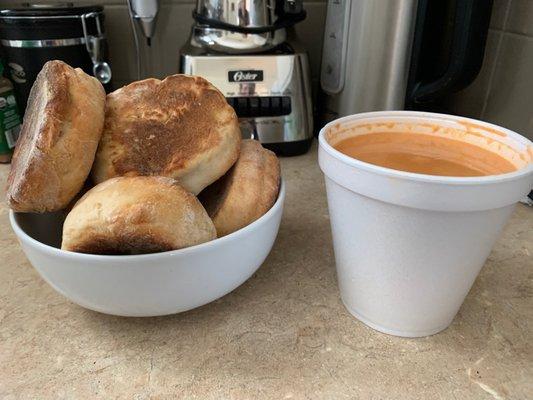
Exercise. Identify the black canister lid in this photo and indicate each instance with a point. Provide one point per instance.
(48, 10)
(50, 21)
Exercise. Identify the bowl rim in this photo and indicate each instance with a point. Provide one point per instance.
(54, 251)
(393, 173)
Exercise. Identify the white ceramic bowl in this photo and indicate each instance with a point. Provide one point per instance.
(408, 246)
(149, 284)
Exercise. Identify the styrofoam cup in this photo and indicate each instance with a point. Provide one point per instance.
(408, 246)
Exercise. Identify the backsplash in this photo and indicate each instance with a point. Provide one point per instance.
(503, 91)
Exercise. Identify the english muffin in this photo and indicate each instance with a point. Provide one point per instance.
(246, 192)
(62, 126)
(136, 215)
(180, 127)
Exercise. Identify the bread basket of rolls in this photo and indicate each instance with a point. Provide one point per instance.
(143, 202)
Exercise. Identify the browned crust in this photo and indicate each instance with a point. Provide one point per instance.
(246, 192)
(169, 128)
(136, 215)
(134, 243)
(58, 139)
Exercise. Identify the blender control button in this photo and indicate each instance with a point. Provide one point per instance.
(275, 105)
(264, 105)
(242, 107)
(285, 106)
(254, 107)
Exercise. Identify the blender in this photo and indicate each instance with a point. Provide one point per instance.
(248, 50)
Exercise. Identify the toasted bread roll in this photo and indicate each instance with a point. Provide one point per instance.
(246, 192)
(135, 215)
(62, 126)
(180, 127)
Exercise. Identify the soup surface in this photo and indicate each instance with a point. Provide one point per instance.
(424, 154)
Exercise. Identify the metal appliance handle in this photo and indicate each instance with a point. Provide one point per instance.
(95, 48)
(472, 18)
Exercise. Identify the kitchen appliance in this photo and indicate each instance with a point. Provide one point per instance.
(247, 51)
(144, 14)
(402, 54)
(32, 34)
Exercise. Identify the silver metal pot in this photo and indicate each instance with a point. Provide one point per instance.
(242, 13)
(243, 26)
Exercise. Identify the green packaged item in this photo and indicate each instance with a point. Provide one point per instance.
(10, 120)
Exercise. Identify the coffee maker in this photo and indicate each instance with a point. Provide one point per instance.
(402, 54)
(243, 48)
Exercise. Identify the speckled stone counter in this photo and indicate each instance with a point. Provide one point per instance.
(284, 334)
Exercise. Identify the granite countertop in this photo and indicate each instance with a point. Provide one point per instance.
(283, 334)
